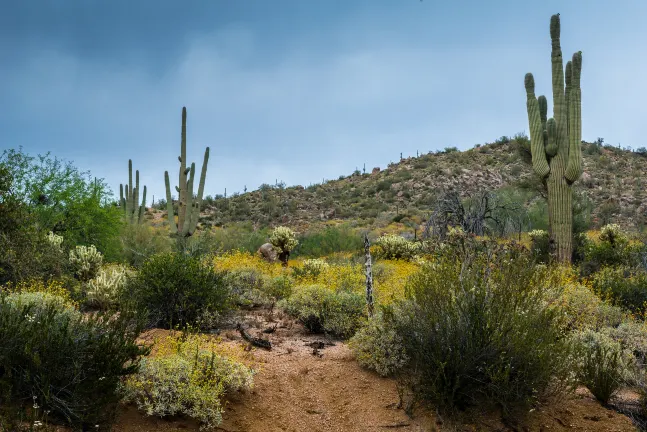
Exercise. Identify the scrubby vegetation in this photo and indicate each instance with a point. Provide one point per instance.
(475, 298)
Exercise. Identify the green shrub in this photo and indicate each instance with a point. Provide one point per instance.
(176, 290)
(378, 346)
(477, 327)
(322, 310)
(139, 242)
(248, 287)
(602, 368)
(623, 286)
(393, 246)
(85, 262)
(190, 381)
(279, 287)
(384, 186)
(63, 362)
(585, 310)
(612, 249)
(632, 336)
(26, 253)
(328, 241)
(540, 244)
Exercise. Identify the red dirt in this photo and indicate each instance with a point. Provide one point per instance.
(298, 390)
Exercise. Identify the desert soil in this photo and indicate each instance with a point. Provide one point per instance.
(303, 388)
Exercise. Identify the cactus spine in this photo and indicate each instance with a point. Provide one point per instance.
(556, 142)
(129, 197)
(188, 209)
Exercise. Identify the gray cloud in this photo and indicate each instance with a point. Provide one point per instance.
(303, 115)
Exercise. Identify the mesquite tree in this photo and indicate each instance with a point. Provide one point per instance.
(556, 142)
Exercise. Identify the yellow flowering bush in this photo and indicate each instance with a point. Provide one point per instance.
(52, 288)
(188, 375)
(238, 260)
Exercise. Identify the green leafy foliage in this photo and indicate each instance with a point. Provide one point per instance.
(139, 242)
(477, 327)
(191, 381)
(65, 200)
(330, 240)
(602, 367)
(174, 289)
(322, 310)
(622, 285)
(378, 346)
(54, 358)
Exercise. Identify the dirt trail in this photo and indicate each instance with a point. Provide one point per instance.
(304, 389)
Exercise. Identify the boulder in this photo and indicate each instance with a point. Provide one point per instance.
(267, 252)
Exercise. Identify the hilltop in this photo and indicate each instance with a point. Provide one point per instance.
(612, 188)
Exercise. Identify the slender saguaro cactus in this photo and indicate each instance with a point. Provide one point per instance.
(188, 208)
(129, 197)
(556, 142)
(369, 276)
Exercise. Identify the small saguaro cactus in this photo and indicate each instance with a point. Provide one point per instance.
(556, 142)
(129, 197)
(188, 210)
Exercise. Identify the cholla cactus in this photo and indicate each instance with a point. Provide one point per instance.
(103, 290)
(86, 262)
(537, 234)
(393, 246)
(613, 234)
(454, 233)
(55, 240)
(314, 267)
(284, 240)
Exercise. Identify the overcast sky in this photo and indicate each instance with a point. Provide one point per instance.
(300, 90)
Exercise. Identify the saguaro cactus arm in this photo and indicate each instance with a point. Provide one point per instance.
(169, 205)
(142, 208)
(203, 175)
(189, 202)
(574, 167)
(537, 145)
(182, 198)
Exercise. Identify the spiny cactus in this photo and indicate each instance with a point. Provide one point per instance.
(556, 142)
(188, 210)
(129, 197)
(283, 240)
(55, 240)
(86, 262)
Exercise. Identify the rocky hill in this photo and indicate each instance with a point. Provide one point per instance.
(614, 185)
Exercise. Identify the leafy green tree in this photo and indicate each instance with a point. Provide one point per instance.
(65, 200)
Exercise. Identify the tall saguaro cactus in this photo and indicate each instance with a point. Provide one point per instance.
(188, 209)
(556, 142)
(129, 197)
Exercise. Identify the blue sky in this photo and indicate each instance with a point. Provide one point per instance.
(300, 90)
